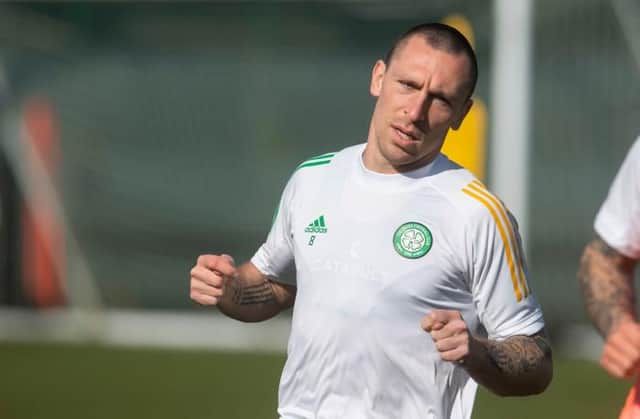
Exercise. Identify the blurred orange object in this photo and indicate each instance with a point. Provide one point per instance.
(631, 409)
(42, 238)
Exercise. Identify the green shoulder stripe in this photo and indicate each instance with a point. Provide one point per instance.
(317, 161)
(322, 156)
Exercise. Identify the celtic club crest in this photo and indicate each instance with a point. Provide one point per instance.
(412, 240)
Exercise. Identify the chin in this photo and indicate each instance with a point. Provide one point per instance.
(400, 159)
(403, 153)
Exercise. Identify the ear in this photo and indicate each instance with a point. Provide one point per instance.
(377, 76)
(465, 110)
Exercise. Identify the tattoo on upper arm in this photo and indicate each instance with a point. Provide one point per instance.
(520, 354)
(254, 294)
(606, 279)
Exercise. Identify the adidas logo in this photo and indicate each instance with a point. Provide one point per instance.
(317, 226)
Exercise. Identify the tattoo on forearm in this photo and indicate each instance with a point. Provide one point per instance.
(255, 294)
(606, 279)
(519, 354)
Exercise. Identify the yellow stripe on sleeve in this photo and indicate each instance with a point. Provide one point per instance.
(482, 190)
(507, 248)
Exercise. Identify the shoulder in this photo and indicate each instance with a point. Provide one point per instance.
(632, 161)
(634, 152)
(327, 158)
(468, 195)
(328, 162)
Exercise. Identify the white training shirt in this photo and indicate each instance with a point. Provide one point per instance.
(365, 278)
(618, 221)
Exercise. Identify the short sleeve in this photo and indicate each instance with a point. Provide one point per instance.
(618, 221)
(498, 275)
(275, 256)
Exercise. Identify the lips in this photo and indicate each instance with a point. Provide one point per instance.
(406, 135)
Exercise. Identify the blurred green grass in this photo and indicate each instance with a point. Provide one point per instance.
(83, 381)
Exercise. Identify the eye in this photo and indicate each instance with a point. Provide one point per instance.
(440, 101)
(407, 85)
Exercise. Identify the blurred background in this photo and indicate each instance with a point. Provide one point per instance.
(136, 136)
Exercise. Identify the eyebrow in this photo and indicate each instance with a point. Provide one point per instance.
(439, 94)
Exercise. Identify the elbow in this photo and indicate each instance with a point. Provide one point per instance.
(545, 378)
(252, 319)
(534, 383)
(250, 316)
(536, 387)
(537, 382)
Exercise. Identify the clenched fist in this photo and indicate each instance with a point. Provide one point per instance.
(210, 276)
(449, 333)
(621, 355)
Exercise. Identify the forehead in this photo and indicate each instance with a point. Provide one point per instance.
(416, 58)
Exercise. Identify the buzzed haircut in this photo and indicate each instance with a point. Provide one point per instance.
(442, 37)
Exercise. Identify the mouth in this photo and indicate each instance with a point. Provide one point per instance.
(406, 135)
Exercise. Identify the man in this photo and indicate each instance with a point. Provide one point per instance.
(404, 263)
(606, 276)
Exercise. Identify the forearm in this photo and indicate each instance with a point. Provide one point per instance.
(518, 366)
(252, 297)
(606, 279)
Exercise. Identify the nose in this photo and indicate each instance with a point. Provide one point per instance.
(416, 109)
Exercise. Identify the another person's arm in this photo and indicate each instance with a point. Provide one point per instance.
(516, 366)
(242, 293)
(607, 266)
(606, 279)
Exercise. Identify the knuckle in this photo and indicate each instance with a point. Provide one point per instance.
(206, 260)
(214, 262)
(229, 259)
(459, 325)
(195, 282)
(217, 281)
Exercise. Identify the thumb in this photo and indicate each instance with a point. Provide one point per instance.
(229, 259)
(231, 271)
(430, 322)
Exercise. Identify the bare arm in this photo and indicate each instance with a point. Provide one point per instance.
(517, 366)
(242, 293)
(606, 279)
(253, 297)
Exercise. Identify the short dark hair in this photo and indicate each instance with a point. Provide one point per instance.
(442, 37)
